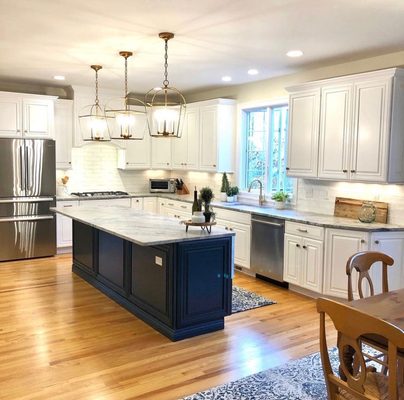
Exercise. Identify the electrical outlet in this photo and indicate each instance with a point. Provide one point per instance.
(308, 193)
(158, 261)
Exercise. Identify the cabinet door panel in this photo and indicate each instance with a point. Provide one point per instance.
(161, 152)
(392, 244)
(242, 244)
(370, 135)
(192, 125)
(63, 132)
(335, 127)
(340, 245)
(312, 265)
(304, 123)
(292, 259)
(137, 153)
(208, 132)
(10, 117)
(137, 204)
(150, 204)
(38, 118)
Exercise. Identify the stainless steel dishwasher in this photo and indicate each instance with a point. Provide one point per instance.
(267, 242)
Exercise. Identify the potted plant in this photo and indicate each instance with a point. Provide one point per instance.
(280, 199)
(235, 191)
(224, 188)
(206, 195)
(231, 191)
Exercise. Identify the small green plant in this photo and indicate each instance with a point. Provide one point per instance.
(280, 196)
(232, 191)
(225, 183)
(206, 195)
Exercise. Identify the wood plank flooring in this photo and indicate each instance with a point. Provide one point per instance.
(62, 339)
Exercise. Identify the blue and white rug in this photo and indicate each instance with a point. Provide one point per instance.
(244, 300)
(301, 379)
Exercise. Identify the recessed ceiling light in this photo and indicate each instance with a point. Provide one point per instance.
(59, 77)
(294, 53)
(252, 71)
(226, 78)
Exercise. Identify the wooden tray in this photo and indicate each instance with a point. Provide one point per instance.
(350, 208)
(204, 225)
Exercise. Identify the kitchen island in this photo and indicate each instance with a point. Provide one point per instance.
(178, 282)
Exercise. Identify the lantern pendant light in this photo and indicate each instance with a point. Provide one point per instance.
(165, 105)
(126, 117)
(92, 121)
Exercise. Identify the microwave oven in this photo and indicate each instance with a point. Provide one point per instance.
(162, 185)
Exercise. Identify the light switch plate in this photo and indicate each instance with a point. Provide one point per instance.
(158, 261)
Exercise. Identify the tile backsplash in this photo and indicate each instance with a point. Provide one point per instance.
(94, 168)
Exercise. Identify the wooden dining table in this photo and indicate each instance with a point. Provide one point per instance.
(386, 306)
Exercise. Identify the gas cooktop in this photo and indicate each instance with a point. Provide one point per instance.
(105, 193)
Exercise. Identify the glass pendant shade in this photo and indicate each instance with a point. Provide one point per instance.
(126, 116)
(165, 105)
(92, 120)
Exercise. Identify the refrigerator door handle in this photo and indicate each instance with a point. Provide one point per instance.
(28, 168)
(22, 168)
(27, 218)
(26, 200)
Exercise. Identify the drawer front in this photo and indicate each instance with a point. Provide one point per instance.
(234, 216)
(177, 205)
(304, 230)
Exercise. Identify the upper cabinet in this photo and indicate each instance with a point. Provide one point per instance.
(136, 154)
(348, 128)
(63, 133)
(23, 115)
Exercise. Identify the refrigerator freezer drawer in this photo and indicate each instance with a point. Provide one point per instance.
(27, 237)
(15, 207)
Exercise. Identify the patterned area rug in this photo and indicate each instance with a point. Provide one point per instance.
(244, 300)
(301, 379)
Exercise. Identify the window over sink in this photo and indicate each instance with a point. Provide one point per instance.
(264, 146)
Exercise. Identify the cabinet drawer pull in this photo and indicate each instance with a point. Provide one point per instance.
(302, 230)
(70, 205)
(377, 242)
(183, 206)
(170, 204)
(363, 241)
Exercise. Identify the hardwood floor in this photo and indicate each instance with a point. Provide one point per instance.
(62, 339)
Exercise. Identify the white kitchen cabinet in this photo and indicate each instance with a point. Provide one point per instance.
(63, 133)
(303, 256)
(174, 208)
(217, 132)
(240, 224)
(360, 128)
(161, 152)
(392, 244)
(335, 132)
(150, 204)
(137, 203)
(303, 137)
(340, 245)
(185, 150)
(136, 154)
(64, 225)
(370, 133)
(30, 116)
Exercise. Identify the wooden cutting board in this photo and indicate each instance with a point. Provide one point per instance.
(350, 208)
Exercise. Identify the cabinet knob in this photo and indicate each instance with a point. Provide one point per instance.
(70, 162)
(168, 163)
(344, 171)
(363, 241)
(25, 131)
(226, 228)
(297, 245)
(287, 168)
(231, 229)
(18, 130)
(214, 165)
(305, 247)
(127, 162)
(377, 242)
(352, 170)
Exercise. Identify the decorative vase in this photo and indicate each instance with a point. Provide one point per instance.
(198, 217)
(223, 196)
(279, 205)
(230, 199)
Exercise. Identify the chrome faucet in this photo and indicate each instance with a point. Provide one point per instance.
(261, 198)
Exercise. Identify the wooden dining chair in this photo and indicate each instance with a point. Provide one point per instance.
(362, 263)
(364, 383)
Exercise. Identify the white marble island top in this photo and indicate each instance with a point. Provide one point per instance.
(145, 229)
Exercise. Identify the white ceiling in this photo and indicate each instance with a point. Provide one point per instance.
(43, 38)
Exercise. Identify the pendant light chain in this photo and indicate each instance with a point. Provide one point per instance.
(166, 82)
(96, 87)
(126, 83)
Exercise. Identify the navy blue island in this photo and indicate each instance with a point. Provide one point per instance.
(178, 282)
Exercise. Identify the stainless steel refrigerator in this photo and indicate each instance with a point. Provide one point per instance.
(27, 190)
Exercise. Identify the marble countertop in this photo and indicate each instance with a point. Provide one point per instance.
(145, 229)
(327, 221)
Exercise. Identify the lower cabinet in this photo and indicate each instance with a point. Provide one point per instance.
(64, 225)
(340, 245)
(303, 256)
(84, 247)
(137, 203)
(150, 204)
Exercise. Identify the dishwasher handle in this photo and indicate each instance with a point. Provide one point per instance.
(259, 221)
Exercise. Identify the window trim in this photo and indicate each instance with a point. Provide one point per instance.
(242, 108)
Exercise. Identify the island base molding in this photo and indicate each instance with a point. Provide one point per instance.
(181, 289)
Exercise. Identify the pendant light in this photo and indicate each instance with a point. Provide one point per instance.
(92, 121)
(165, 105)
(126, 117)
